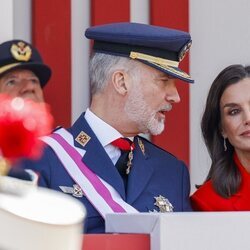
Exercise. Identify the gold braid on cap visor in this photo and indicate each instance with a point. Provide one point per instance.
(160, 62)
(7, 67)
(153, 59)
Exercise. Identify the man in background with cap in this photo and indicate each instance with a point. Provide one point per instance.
(22, 74)
(101, 160)
(22, 71)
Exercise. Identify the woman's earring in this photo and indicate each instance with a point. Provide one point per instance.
(225, 144)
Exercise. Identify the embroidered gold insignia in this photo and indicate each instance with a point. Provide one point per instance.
(141, 145)
(129, 163)
(21, 51)
(184, 51)
(163, 204)
(83, 138)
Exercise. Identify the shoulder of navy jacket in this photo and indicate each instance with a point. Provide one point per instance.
(146, 141)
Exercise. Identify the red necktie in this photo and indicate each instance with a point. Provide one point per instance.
(123, 144)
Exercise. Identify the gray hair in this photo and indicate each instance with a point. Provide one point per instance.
(102, 66)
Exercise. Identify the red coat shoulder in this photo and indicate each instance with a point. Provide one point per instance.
(206, 199)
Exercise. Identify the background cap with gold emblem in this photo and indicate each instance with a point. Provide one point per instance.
(18, 54)
(158, 47)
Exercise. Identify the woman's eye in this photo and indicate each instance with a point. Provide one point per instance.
(234, 112)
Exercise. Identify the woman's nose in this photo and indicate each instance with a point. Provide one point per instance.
(247, 118)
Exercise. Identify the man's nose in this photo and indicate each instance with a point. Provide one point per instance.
(27, 85)
(172, 94)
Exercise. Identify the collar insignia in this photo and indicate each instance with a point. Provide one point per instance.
(83, 138)
(21, 51)
(163, 204)
(76, 191)
(141, 145)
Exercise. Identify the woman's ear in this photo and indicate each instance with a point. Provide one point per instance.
(119, 80)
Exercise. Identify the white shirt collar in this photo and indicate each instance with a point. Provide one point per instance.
(103, 131)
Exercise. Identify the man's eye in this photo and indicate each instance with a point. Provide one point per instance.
(34, 80)
(165, 79)
(11, 82)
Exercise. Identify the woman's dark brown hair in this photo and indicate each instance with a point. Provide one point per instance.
(223, 173)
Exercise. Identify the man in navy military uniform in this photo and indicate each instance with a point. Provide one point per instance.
(132, 75)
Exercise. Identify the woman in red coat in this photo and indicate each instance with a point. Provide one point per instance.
(226, 130)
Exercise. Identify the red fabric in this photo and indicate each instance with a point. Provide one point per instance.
(206, 199)
(123, 144)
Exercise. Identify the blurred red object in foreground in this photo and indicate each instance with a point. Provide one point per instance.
(21, 123)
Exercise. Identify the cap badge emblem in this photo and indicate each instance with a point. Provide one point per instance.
(163, 204)
(83, 138)
(184, 51)
(21, 51)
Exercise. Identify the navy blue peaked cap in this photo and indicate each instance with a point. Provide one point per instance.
(158, 47)
(18, 54)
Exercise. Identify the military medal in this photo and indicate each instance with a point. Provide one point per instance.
(76, 190)
(163, 204)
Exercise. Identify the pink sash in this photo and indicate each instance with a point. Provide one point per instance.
(100, 193)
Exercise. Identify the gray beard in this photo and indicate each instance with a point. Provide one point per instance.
(139, 112)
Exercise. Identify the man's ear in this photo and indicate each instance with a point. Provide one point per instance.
(119, 80)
